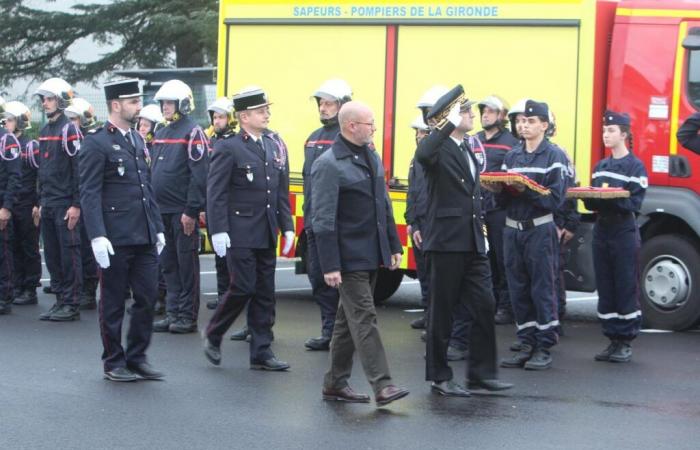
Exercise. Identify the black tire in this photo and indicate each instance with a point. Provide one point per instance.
(388, 281)
(684, 252)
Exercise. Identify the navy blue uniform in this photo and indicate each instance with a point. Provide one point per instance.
(325, 296)
(566, 218)
(9, 185)
(248, 198)
(222, 275)
(531, 244)
(495, 150)
(119, 204)
(616, 244)
(179, 166)
(58, 191)
(27, 259)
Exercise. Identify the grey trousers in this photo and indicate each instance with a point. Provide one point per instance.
(356, 329)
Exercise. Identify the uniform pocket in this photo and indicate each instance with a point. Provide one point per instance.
(243, 212)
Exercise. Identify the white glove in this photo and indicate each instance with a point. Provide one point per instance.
(454, 116)
(288, 242)
(102, 248)
(160, 245)
(220, 242)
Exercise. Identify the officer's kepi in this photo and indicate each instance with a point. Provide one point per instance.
(537, 109)
(120, 89)
(251, 99)
(614, 118)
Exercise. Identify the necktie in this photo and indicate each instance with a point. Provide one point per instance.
(130, 138)
(261, 146)
(465, 152)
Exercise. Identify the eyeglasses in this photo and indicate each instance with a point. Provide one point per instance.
(371, 124)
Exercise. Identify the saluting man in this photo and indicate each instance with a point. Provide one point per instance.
(247, 207)
(125, 229)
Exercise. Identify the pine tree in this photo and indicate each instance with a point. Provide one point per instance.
(147, 33)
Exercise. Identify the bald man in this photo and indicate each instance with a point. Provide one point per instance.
(355, 233)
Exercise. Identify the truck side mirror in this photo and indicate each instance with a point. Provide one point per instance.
(692, 41)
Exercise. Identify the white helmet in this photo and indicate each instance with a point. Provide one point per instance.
(56, 87)
(518, 108)
(177, 91)
(19, 112)
(152, 112)
(222, 105)
(83, 110)
(419, 124)
(432, 95)
(334, 89)
(493, 102)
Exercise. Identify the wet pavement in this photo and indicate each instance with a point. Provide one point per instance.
(52, 394)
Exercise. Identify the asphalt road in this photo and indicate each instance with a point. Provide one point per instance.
(52, 394)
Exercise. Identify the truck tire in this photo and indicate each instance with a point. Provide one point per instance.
(670, 282)
(388, 281)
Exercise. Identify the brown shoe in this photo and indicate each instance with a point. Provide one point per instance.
(389, 394)
(345, 394)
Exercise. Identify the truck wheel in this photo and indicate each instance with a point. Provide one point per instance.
(670, 282)
(388, 281)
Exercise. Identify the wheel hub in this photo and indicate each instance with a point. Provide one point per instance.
(666, 283)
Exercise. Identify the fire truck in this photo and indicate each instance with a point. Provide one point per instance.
(580, 56)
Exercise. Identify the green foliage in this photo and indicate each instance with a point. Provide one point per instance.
(146, 33)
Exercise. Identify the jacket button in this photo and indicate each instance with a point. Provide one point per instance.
(268, 178)
(139, 171)
(268, 191)
(462, 180)
(265, 163)
(268, 205)
(144, 199)
(112, 208)
(237, 213)
(142, 185)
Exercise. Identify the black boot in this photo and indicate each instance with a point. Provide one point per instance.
(503, 317)
(183, 326)
(65, 313)
(518, 359)
(241, 335)
(163, 325)
(605, 354)
(541, 360)
(26, 298)
(418, 324)
(318, 343)
(213, 303)
(623, 352)
(46, 315)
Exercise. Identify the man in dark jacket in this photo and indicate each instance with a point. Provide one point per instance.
(179, 165)
(330, 96)
(354, 227)
(456, 246)
(9, 185)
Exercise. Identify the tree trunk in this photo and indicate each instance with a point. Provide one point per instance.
(188, 53)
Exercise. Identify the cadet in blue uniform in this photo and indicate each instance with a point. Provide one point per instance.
(616, 240)
(60, 201)
(179, 166)
(82, 114)
(330, 96)
(530, 239)
(223, 123)
(9, 184)
(247, 207)
(25, 214)
(497, 142)
(125, 229)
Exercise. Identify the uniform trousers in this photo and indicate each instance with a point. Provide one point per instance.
(180, 264)
(62, 253)
(27, 259)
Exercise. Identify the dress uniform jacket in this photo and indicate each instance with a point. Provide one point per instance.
(454, 204)
(317, 143)
(352, 218)
(179, 180)
(58, 170)
(248, 190)
(116, 194)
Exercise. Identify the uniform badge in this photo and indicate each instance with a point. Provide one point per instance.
(76, 144)
(479, 158)
(116, 147)
(248, 174)
(120, 168)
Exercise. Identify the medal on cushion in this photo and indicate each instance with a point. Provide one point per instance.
(120, 168)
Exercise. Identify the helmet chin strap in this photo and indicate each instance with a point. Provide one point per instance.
(53, 114)
(490, 126)
(330, 122)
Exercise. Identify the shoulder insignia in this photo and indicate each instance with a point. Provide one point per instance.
(95, 130)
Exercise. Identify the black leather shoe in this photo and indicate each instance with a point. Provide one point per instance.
(163, 325)
(182, 326)
(489, 385)
(46, 315)
(5, 308)
(241, 335)
(449, 389)
(541, 360)
(344, 395)
(516, 346)
(419, 323)
(65, 313)
(272, 364)
(145, 371)
(389, 394)
(48, 290)
(26, 298)
(518, 359)
(120, 374)
(605, 354)
(212, 352)
(455, 354)
(318, 343)
(623, 353)
(503, 317)
(213, 303)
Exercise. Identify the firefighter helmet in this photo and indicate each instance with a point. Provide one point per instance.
(222, 105)
(179, 92)
(151, 112)
(334, 89)
(18, 111)
(419, 124)
(56, 87)
(493, 102)
(82, 109)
